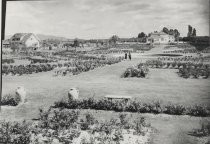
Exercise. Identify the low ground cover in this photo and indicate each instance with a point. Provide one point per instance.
(61, 126)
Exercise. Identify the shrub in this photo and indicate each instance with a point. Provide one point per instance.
(198, 110)
(141, 71)
(193, 71)
(175, 109)
(11, 100)
(140, 123)
(67, 128)
(58, 119)
(89, 120)
(203, 131)
(134, 106)
(15, 132)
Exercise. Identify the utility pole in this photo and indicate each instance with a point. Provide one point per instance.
(3, 19)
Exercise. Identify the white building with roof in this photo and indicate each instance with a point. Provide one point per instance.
(160, 38)
(24, 41)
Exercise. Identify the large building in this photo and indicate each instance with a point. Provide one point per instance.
(24, 41)
(160, 38)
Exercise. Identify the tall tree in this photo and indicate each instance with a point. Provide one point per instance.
(194, 32)
(141, 35)
(189, 34)
(114, 39)
(176, 34)
(76, 43)
(171, 32)
(165, 30)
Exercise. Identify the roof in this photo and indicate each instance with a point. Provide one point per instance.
(18, 35)
(24, 36)
(5, 42)
(159, 35)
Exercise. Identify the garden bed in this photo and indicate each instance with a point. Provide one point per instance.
(69, 126)
(81, 66)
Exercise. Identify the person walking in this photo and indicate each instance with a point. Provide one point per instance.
(129, 55)
(126, 56)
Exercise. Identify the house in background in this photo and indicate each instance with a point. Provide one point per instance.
(24, 42)
(160, 38)
(6, 43)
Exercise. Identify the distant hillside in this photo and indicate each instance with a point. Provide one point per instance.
(45, 37)
(7, 37)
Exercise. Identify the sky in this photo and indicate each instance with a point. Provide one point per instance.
(88, 19)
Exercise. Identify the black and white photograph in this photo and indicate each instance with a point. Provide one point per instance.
(105, 72)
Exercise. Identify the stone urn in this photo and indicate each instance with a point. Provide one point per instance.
(73, 94)
(21, 92)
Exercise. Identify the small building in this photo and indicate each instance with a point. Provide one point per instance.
(24, 42)
(6, 43)
(160, 38)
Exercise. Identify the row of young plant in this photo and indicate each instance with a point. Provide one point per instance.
(80, 66)
(135, 106)
(184, 58)
(7, 61)
(78, 56)
(194, 72)
(183, 46)
(104, 51)
(140, 71)
(186, 69)
(43, 60)
(184, 51)
(61, 126)
(188, 46)
(25, 69)
(175, 64)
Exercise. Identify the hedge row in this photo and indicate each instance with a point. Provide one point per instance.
(134, 106)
